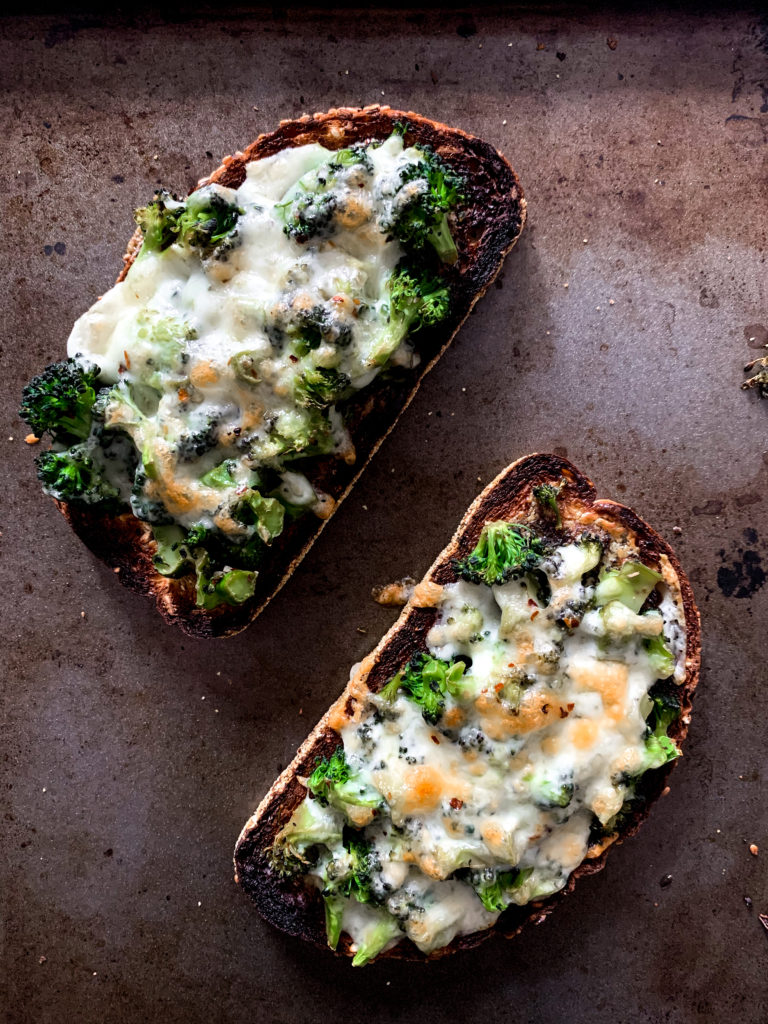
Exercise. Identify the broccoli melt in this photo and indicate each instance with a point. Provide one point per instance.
(59, 401)
(321, 201)
(503, 552)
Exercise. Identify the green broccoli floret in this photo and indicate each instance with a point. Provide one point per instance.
(159, 221)
(334, 917)
(221, 586)
(631, 584)
(427, 192)
(191, 446)
(309, 216)
(309, 207)
(75, 476)
(311, 825)
(503, 552)
(208, 219)
(319, 387)
(379, 933)
(546, 496)
(493, 886)
(59, 401)
(548, 791)
(416, 300)
(659, 748)
(363, 863)
(203, 222)
(426, 681)
(266, 514)
(661, 658)
(334, 782)
(295, 433)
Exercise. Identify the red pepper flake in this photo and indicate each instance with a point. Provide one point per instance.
(570, 622)
(183, 395)
(532, 602)
(338, 298)
(127, 360)
(545, 709)
(563, 712)
(456, 804)
(294, 359)
(498, 686)
(534, 614)
(435, 739)
(510, 664)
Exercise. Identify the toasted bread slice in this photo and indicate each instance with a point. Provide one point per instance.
(293, 906)
(493, 214)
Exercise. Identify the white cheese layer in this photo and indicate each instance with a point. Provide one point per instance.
(177, 327)
(543, 738)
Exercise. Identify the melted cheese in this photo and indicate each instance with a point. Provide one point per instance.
(543, 737)
(174, 328)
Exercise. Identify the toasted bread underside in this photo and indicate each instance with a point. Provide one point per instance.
(288, 903)
(493, 214)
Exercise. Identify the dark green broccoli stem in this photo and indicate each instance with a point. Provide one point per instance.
(59, 401)
(426, 681)
(504, 551)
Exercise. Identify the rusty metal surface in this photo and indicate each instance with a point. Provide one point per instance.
(132, 755)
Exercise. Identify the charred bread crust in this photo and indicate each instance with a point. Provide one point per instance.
(490, 224)
(287, 903)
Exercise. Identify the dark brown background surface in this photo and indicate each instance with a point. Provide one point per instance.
(131, 755)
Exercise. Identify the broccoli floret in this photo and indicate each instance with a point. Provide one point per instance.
(426, 681)
(661, 658)
(334, 782)
(75, 476)
(311, 825)
(334, 916)
(416, 300)
(631, 584)
(546, 496)
(659, 748)
(309, 216)
(221, 586)
(548, 792)
(203, 222)
(363, 864)
(493, 887)
(503, 552)
(318, 387)
(308, 210)
(295, 433)
(159, 221)
(375, 938)
(266, 514)
(418, 217)
(191, 446)
(59, 401)
(328, 772)
(208, 219)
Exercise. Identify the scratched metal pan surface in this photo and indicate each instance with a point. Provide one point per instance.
(133, 754)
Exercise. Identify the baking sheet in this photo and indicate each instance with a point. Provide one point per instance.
(133, 754)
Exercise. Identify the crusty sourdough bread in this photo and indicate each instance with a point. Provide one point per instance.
(492, 219)
(291, 906)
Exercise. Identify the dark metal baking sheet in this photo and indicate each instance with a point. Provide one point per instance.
(132, 755)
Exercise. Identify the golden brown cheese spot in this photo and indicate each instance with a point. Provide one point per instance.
(203, 373)
(535, 711)
(608, 678)
(583, 732)
(359, 816)
(426, 594)
(595, 850)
